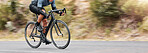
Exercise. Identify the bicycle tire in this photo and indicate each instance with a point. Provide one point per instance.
(68, 42)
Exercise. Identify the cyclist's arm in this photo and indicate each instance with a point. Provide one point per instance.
(54, 6)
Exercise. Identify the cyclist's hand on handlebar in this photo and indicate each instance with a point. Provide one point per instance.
(62, 13)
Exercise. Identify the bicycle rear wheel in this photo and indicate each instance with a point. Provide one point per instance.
(32, 36)
(60, 34)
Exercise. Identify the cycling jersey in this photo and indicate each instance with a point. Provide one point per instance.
(36, 6)
(42, 3)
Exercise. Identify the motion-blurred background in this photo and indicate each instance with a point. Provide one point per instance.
(120, 20)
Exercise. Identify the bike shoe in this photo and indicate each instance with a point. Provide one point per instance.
(47, 42)
(38, 27)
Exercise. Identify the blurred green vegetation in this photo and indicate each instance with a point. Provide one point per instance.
(4, 18)
(105, 9)
(8, 12)
(135, 7)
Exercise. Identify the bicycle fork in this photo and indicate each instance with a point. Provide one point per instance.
(57, 26)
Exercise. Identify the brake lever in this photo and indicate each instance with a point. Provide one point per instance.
(61, 13)
(64, 10)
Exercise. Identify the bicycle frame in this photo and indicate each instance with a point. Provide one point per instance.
(51, 21)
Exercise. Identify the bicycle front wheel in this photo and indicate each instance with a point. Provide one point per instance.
(60, 34)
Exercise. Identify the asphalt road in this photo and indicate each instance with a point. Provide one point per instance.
(77, 47)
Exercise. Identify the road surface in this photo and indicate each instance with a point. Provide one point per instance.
(78, 47)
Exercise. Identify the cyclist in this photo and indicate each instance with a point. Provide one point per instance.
(36, 7)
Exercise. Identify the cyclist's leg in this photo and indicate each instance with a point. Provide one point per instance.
(44, 20)
(44, 25)
(40, 17)
(44, 30)
(40, 13)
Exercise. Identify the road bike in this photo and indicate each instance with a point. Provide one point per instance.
(59, 32)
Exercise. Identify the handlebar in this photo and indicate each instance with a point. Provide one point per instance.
(63, 10)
